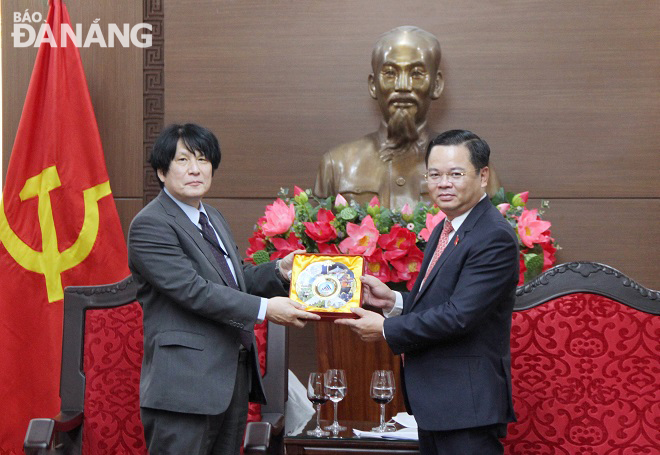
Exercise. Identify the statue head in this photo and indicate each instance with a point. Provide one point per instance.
(406, 75)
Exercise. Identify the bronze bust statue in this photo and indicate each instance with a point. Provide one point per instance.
(389, 162)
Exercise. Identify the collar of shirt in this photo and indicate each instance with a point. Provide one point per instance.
(191, 212)
(458, 221)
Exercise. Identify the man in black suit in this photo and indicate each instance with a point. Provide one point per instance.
(453, 329)
(200, 305)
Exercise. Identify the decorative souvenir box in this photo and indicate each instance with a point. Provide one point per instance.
(327, 284)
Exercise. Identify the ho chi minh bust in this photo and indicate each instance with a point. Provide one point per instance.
(389, 163)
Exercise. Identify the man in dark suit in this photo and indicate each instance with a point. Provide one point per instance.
(200, 305)
(453, 329)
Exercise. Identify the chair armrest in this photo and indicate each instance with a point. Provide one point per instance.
(258, 434)
(40, 432)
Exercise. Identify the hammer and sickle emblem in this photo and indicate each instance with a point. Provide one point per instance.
(50, 262)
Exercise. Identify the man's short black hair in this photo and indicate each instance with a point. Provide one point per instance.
(196, 139)
(479, 150)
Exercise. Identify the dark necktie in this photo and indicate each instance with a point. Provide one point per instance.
(221, 257)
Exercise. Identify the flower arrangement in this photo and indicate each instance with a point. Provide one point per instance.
(392, 241)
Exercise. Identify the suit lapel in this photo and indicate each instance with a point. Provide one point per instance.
(189, 228)
(228, 242)
(460, 235)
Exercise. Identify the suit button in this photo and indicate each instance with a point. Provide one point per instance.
(400, 181)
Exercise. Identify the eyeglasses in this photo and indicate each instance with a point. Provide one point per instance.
(453, 176)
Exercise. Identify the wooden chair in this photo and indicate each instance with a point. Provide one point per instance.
(100, 378)
(585, 364)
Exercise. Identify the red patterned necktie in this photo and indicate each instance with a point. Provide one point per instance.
(447, 229)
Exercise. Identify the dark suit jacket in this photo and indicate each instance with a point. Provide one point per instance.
(455, 330)
(192, 318)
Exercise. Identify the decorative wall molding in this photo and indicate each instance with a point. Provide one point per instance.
(153, 92)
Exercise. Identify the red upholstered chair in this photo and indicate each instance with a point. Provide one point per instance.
(585, 364)
(100, 379)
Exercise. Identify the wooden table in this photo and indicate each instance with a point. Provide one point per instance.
(345, 441)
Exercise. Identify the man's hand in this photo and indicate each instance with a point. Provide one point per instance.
(286, 264)
(377, 294)
(284, 311)
(369, 326)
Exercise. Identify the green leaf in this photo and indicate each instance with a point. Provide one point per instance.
(260, 257)
(534, 264)
(348, 214)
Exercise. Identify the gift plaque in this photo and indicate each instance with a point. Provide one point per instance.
(327, 284)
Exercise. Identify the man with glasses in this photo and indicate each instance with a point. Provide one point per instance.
(389, 162)
(453, 329)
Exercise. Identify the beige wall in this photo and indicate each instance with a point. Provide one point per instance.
(567, 94)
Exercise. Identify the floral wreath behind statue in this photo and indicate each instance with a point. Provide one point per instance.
(392, 241)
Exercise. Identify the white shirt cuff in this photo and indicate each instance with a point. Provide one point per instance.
(397, 309)
(262, 310)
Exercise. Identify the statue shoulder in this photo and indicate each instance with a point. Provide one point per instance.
(365, 147)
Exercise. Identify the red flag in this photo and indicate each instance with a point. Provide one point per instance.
(58, 227)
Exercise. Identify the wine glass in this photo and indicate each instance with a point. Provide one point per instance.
(335, 389)
(316, 394)
(382, 392)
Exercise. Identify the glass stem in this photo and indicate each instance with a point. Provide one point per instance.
(318, 416)
(335, 403)
(382, 416)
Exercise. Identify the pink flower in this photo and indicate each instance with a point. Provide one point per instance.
(520, 199)
(297, 190)
(328, 248)
(279, 218)
(340, 202)
(377, 266)
(373, 208)
(503, 208)
(285, 246)
(431, 222)
(406, 213)
(321, 231)
(361, 239)
(531, 228)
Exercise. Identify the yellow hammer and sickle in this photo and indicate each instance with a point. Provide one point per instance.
(50, 262)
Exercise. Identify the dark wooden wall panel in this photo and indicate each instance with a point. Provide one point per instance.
(567, 94)
(114, 78)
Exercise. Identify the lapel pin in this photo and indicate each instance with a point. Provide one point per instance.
(456, 240)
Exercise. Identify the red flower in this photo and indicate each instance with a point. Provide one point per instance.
(377, 266)
(321, 231)
(408, 266)
(328, 248)
(397, 242)
(549, 251)
(285, 246)
(257, 242)
(523, 269)
(297, 190)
